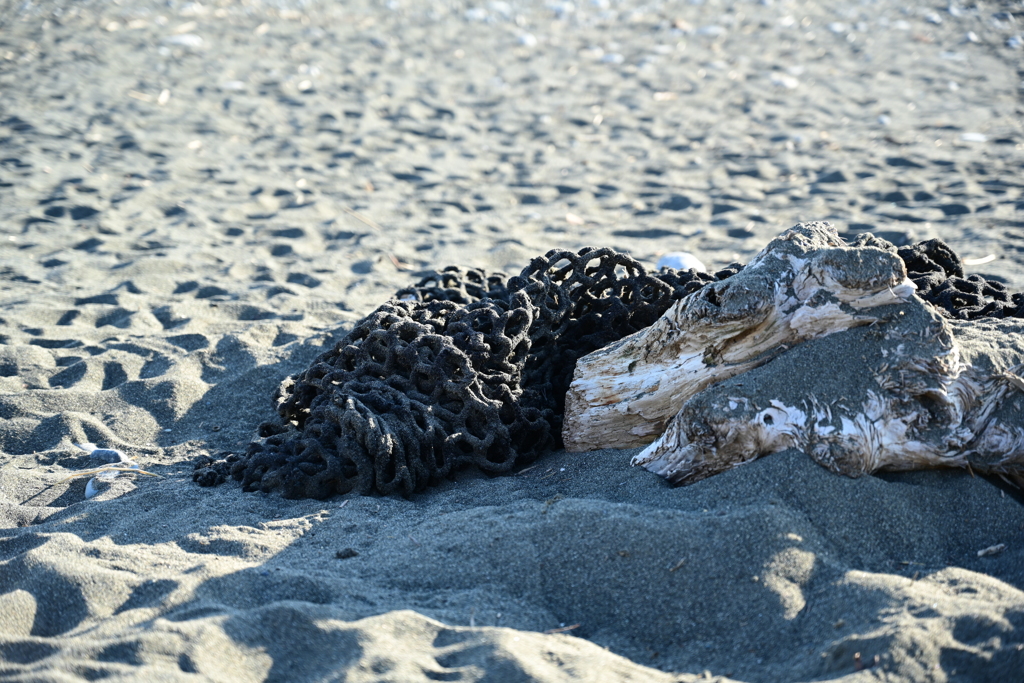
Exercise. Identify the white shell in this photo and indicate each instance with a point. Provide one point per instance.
(93, 488)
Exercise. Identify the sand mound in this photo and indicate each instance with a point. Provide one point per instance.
(777, 570)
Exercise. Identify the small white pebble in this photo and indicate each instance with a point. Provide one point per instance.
(992, 550)
(561, 9)
(108, 455)
(681, 260)
(974, 137)
(528, 40)
(185, 40)
(501, 7)
(192, 9)
(785, 81)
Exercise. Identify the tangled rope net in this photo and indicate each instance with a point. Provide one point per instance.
(467, 368)
(939, 275)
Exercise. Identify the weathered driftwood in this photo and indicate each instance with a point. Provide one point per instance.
(914, 392)
(804, 284)
(862, 376)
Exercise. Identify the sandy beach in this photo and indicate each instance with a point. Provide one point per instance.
(198, 199)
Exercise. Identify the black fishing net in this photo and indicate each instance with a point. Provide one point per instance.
(939, 275)
(468, 368)
(463, 368)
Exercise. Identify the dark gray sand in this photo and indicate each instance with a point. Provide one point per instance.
(195, 199)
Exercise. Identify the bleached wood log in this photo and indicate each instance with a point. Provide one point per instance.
(805, 284)
(914, 392)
